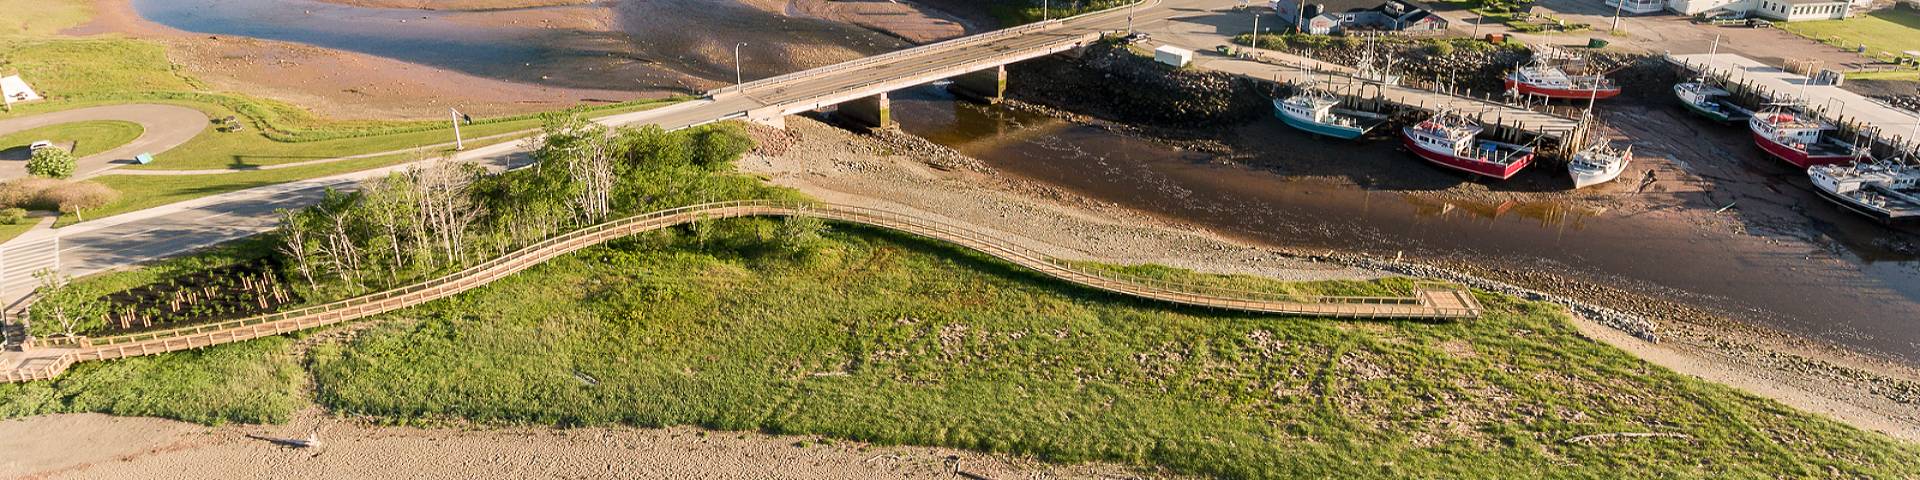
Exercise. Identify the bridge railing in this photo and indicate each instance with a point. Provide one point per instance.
(907, 52)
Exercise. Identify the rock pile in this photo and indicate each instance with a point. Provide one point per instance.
(1112, 83)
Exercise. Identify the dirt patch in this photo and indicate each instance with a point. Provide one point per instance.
(98, 446)
(457, 4)
(909, 21)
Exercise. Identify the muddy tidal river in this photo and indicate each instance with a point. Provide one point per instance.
(1852, 291)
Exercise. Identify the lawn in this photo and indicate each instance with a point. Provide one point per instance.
(1892, 30)
(252, 382)
(88, 137)
(883, 338)
(43, 17)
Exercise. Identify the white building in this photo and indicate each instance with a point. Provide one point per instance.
(1798, 10)
(1779, 10)
(1637, 6)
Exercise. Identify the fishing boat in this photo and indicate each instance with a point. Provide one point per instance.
(1365, 70)
(1316, 112)
(1543, 80)
(1598, 163)
(1885, 191)
(1709, 101)
(1798, 139)
(1453, 141)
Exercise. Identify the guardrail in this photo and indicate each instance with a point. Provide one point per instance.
(907, 52)
(1419, 305)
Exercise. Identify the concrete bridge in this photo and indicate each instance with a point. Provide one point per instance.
(976, 64)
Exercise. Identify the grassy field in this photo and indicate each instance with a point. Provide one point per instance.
(251, 382)
(882, 338)
(89, 137)
(1891, 30)
(29, 18)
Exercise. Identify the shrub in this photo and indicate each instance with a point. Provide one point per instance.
(1439, 48)
(27, 192)
(51, 162)
(12, 216)
(77, 197)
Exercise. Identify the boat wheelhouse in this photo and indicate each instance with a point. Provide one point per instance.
(1452, 141)
(1799, 140)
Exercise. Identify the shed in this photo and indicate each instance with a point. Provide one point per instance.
(1171, 55)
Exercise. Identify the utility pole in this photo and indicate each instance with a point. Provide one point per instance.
(738, 81)
(1046, 10)
(1130, 17)
(458, 144)
(1300, 17)
(1617, 4)
(1256, 29)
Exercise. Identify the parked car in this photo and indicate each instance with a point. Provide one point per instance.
(39, 144)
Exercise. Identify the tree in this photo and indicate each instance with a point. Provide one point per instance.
(53, 162)
(64, 308)
(296, 243)
(80, 196)
(446, 206)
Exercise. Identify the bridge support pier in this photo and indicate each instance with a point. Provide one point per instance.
(988, 85)
(875, 111)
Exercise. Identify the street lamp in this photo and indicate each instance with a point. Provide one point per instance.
(1046, 10)
(1255, 39)
(738, 81)
(1617, 4)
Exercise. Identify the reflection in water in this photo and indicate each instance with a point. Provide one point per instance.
(1870, 306)
(659, 44)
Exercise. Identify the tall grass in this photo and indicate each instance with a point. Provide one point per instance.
(250, 382)
(883, 338)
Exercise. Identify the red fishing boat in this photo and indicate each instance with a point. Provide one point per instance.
(1799, 140)
(1452, 141)
(1549, 81)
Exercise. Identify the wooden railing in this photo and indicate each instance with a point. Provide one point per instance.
(146, 343)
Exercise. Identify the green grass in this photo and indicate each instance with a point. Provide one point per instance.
(251, 382)
(28, 18)
(88, 137)
(7, 232)
(1891, 30)
(895, 340)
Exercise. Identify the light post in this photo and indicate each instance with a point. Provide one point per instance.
(1300, 18)
(1046, 10)
(1130, 17)
(738, 81)
(458, 144)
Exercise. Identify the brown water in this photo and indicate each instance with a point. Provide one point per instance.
(1840, 278)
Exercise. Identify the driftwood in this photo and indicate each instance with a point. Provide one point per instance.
(1610, 436)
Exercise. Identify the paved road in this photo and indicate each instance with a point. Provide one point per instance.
(166, 126)
(136, 237)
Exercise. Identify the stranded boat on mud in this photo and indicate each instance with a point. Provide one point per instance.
(1597, 164)
(1801, 141)
(1451, 141)
(1315, 112)
(1709, 101)
(1549, 81)
(1888, 192)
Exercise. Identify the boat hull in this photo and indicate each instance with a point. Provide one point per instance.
(1796, 157)
(1316, 128)
(1584, 180)
(1484, 169)
(1710, 114)
(1566, 93)
(1878, 215)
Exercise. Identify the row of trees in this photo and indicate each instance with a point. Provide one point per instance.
(444, 215)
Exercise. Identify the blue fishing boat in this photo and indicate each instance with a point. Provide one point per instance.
(1314, 112)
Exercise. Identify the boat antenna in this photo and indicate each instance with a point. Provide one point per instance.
(1712, 52)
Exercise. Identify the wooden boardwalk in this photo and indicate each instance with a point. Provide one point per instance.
(1430, 301)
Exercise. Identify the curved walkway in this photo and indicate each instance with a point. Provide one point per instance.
(1428, 302)
(163, 127)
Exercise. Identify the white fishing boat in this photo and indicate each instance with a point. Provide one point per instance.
(1598, 163)
(1316, 111)
(1885, 191)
